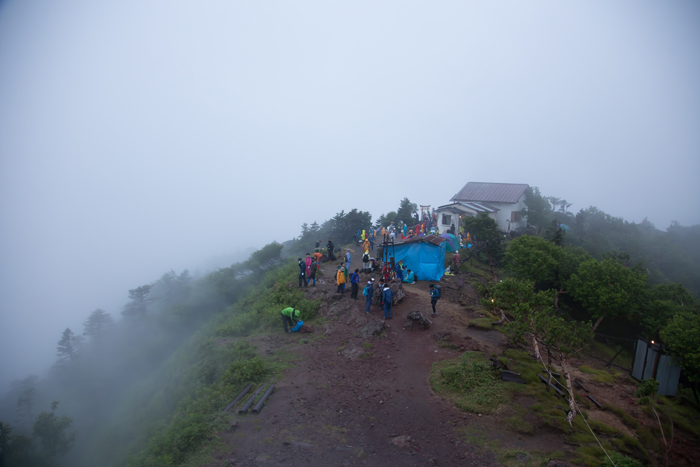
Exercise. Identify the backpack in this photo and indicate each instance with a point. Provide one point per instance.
(365, 258)
(439, 291)
(364, 291)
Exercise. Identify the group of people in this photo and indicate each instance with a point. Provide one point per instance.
(392, 233)
(308, 268)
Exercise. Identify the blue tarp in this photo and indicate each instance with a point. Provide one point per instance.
(426, 260)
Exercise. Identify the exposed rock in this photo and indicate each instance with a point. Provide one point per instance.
(328, 329)
(416, 320)
(373, 328)
(351, 351)
(401, 441)
(306, 328)
(443, 335)
(395, 286)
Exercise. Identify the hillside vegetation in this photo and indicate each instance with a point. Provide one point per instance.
(148, 389)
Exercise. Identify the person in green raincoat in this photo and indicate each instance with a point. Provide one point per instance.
(290, 316)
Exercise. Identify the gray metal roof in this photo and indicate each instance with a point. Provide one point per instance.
(493, 192)
(469, 208)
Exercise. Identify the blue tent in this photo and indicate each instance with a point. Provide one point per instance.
(425, 256)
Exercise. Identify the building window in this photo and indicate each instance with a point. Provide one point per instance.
(446, 219)
(515, 216)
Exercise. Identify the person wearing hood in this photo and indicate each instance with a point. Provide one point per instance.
(302, 273)
(290, 316)
(387, 297)
(308, 262)
(410, 277)
(340, 280)
(365, 245)
(368, 292)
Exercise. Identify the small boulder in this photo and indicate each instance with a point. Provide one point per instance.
(373, 328)
(401, 441)
(416, 320)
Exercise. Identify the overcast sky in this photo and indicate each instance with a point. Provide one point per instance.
(140, 136)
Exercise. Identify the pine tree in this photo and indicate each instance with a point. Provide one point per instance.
(96, 324)
(138, 297)
(67, 346)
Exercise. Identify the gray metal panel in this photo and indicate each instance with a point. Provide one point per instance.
(667, 375)
(494, 192)
(649, 369)
(638, 367)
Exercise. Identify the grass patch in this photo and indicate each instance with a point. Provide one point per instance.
(481, 323)
(624, 417)
(367, 345)
(444, 343)
(470, 382)
(599, 376)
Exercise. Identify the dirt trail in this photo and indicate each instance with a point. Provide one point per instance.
(354, 401)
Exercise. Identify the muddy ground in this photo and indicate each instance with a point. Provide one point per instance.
(350, 399)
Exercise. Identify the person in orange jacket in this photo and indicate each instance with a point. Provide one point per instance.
(340, 280)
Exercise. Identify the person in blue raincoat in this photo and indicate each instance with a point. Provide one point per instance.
(387, 297)
(368, 292)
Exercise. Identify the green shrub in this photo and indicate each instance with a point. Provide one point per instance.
(470, 381)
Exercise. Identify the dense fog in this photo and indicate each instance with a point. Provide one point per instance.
(142, 137)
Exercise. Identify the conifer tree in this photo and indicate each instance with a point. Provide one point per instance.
(67, 346)
(96, 324)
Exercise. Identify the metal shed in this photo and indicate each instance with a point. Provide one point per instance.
(650, 362)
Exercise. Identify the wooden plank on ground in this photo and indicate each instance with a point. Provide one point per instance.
(556, 389)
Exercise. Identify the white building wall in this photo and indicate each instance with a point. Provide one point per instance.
(503, 215)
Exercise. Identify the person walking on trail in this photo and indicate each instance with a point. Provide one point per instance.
(455, 260)
(318, 244)
(364, 235)
(387, 297)
(365, 245)
(308, 262)
(355, 284)
(366, 268)
(340, 280)
(434, 297)
(371, 239)
(290, 316)
(330, 247)
(368, 292)
(347, 260)
(302, 273)
(312, 274)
